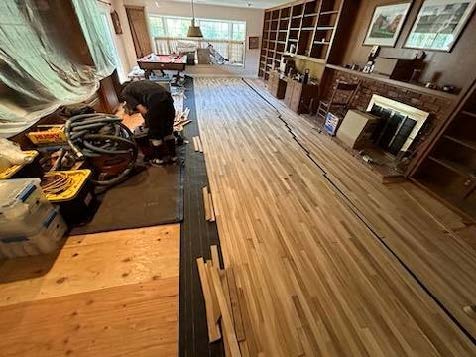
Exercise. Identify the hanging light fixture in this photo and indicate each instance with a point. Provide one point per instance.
(194, 31)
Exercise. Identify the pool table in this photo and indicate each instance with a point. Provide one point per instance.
(161, 63)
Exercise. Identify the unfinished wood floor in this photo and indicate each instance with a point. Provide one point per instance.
(316, 279)
(107, 294)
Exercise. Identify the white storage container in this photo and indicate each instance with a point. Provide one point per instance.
(46, 239)
(23, 207)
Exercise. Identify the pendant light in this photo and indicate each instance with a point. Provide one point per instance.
(194, 31)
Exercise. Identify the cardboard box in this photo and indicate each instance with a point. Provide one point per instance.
(356, 129)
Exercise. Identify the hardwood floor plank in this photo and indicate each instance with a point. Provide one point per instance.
(227, 320)
(213, 329)
(315, 278)
(434, 243)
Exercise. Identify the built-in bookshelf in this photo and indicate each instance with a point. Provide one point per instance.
(306, 30)
(449, 169)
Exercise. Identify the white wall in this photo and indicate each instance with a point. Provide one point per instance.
(124, 41)
(252, 17)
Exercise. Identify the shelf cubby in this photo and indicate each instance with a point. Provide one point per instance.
(311, 7)
(308, 25)
(330, 6)
(285, 12)
(297, 10)
(309, 21)
(449, 169)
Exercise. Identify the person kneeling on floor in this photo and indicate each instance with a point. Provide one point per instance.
(156, 105)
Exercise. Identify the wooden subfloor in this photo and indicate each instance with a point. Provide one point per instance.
(106, 294)
(331, 261)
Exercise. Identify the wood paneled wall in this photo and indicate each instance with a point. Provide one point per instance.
(456, 67)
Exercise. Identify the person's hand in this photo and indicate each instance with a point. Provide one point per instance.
(142, 109)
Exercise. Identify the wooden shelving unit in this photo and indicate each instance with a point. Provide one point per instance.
(307, 27)
(449, 169)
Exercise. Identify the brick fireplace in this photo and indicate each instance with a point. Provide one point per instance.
(439, 106)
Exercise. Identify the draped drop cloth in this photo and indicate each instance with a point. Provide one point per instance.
(38, 73)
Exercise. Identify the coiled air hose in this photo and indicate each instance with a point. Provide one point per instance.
(101, 136)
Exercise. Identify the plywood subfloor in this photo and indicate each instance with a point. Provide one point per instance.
(105, 294)
(317, 278)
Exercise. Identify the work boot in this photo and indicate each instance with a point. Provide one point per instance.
(160, 153)
(172, 152)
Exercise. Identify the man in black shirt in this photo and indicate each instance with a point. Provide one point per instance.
(156, 105)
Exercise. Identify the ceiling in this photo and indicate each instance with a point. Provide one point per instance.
(255, 4)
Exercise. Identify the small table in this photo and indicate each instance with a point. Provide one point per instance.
(161, 63)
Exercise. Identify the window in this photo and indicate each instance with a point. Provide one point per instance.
(239, 31)
(156, 26)
(227, 37)
(176, 27)
(215, 30)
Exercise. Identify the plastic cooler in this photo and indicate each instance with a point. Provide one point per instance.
(43, 239)
(23, 207)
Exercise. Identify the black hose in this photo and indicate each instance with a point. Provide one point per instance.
(94, 135)
(104, 151)
(95, 121)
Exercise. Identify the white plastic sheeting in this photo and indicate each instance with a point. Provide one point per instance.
(38, 73)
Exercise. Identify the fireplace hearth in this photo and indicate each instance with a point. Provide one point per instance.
(398, 125)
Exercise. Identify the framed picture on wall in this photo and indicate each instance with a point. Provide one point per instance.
(386, 24)
(439, 23)
(253, 43)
